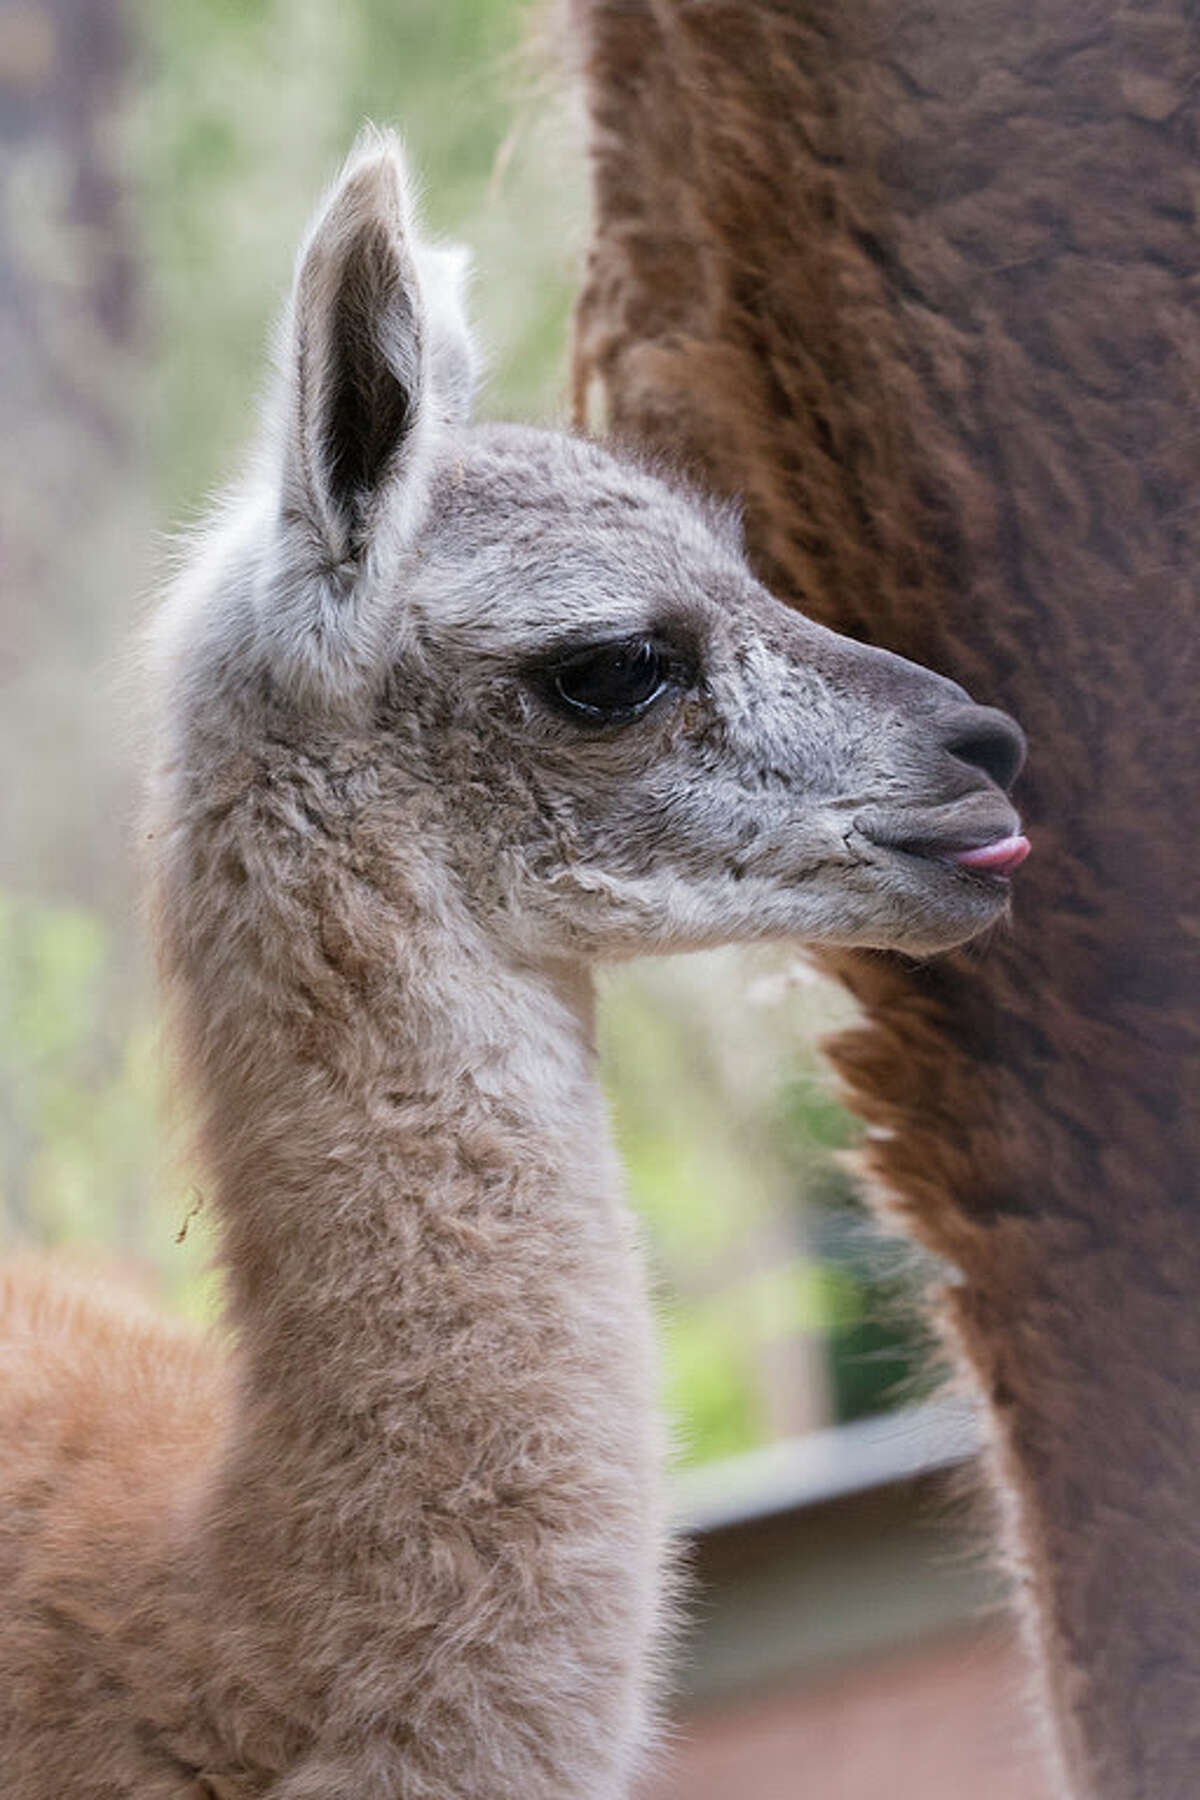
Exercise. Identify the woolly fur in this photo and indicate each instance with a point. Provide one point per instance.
(404, 1539)
(917, 287)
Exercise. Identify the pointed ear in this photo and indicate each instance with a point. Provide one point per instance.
(373, 361)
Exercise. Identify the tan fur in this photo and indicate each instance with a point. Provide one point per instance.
(407, 1541)
(107, 1414)
(918, 286)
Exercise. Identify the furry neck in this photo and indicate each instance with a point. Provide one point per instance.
(384, 1204)
(445, 1443)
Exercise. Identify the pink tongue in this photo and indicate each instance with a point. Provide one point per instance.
(1000, 858)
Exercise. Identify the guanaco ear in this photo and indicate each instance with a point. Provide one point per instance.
(377, 355)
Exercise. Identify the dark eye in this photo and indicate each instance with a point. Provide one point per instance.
(610, 682)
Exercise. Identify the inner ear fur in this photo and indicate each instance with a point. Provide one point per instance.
(358, 351)
(375, 377)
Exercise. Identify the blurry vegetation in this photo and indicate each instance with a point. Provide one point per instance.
(84, 1140)
(247, 107)
(782, 1308)
(236, 115)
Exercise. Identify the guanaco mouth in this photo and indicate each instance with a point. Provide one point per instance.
(999, 858)
(982, 837)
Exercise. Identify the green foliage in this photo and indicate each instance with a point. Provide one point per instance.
(80, 1104)
(780, 1308)
(711, 1344)
(245, 112)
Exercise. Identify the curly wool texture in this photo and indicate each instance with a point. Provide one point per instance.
(918, 288)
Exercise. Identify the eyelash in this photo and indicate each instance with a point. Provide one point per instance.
(611, 683)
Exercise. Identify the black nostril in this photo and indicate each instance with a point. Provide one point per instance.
(989, 741)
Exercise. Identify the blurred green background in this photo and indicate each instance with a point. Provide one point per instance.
(159, 164)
